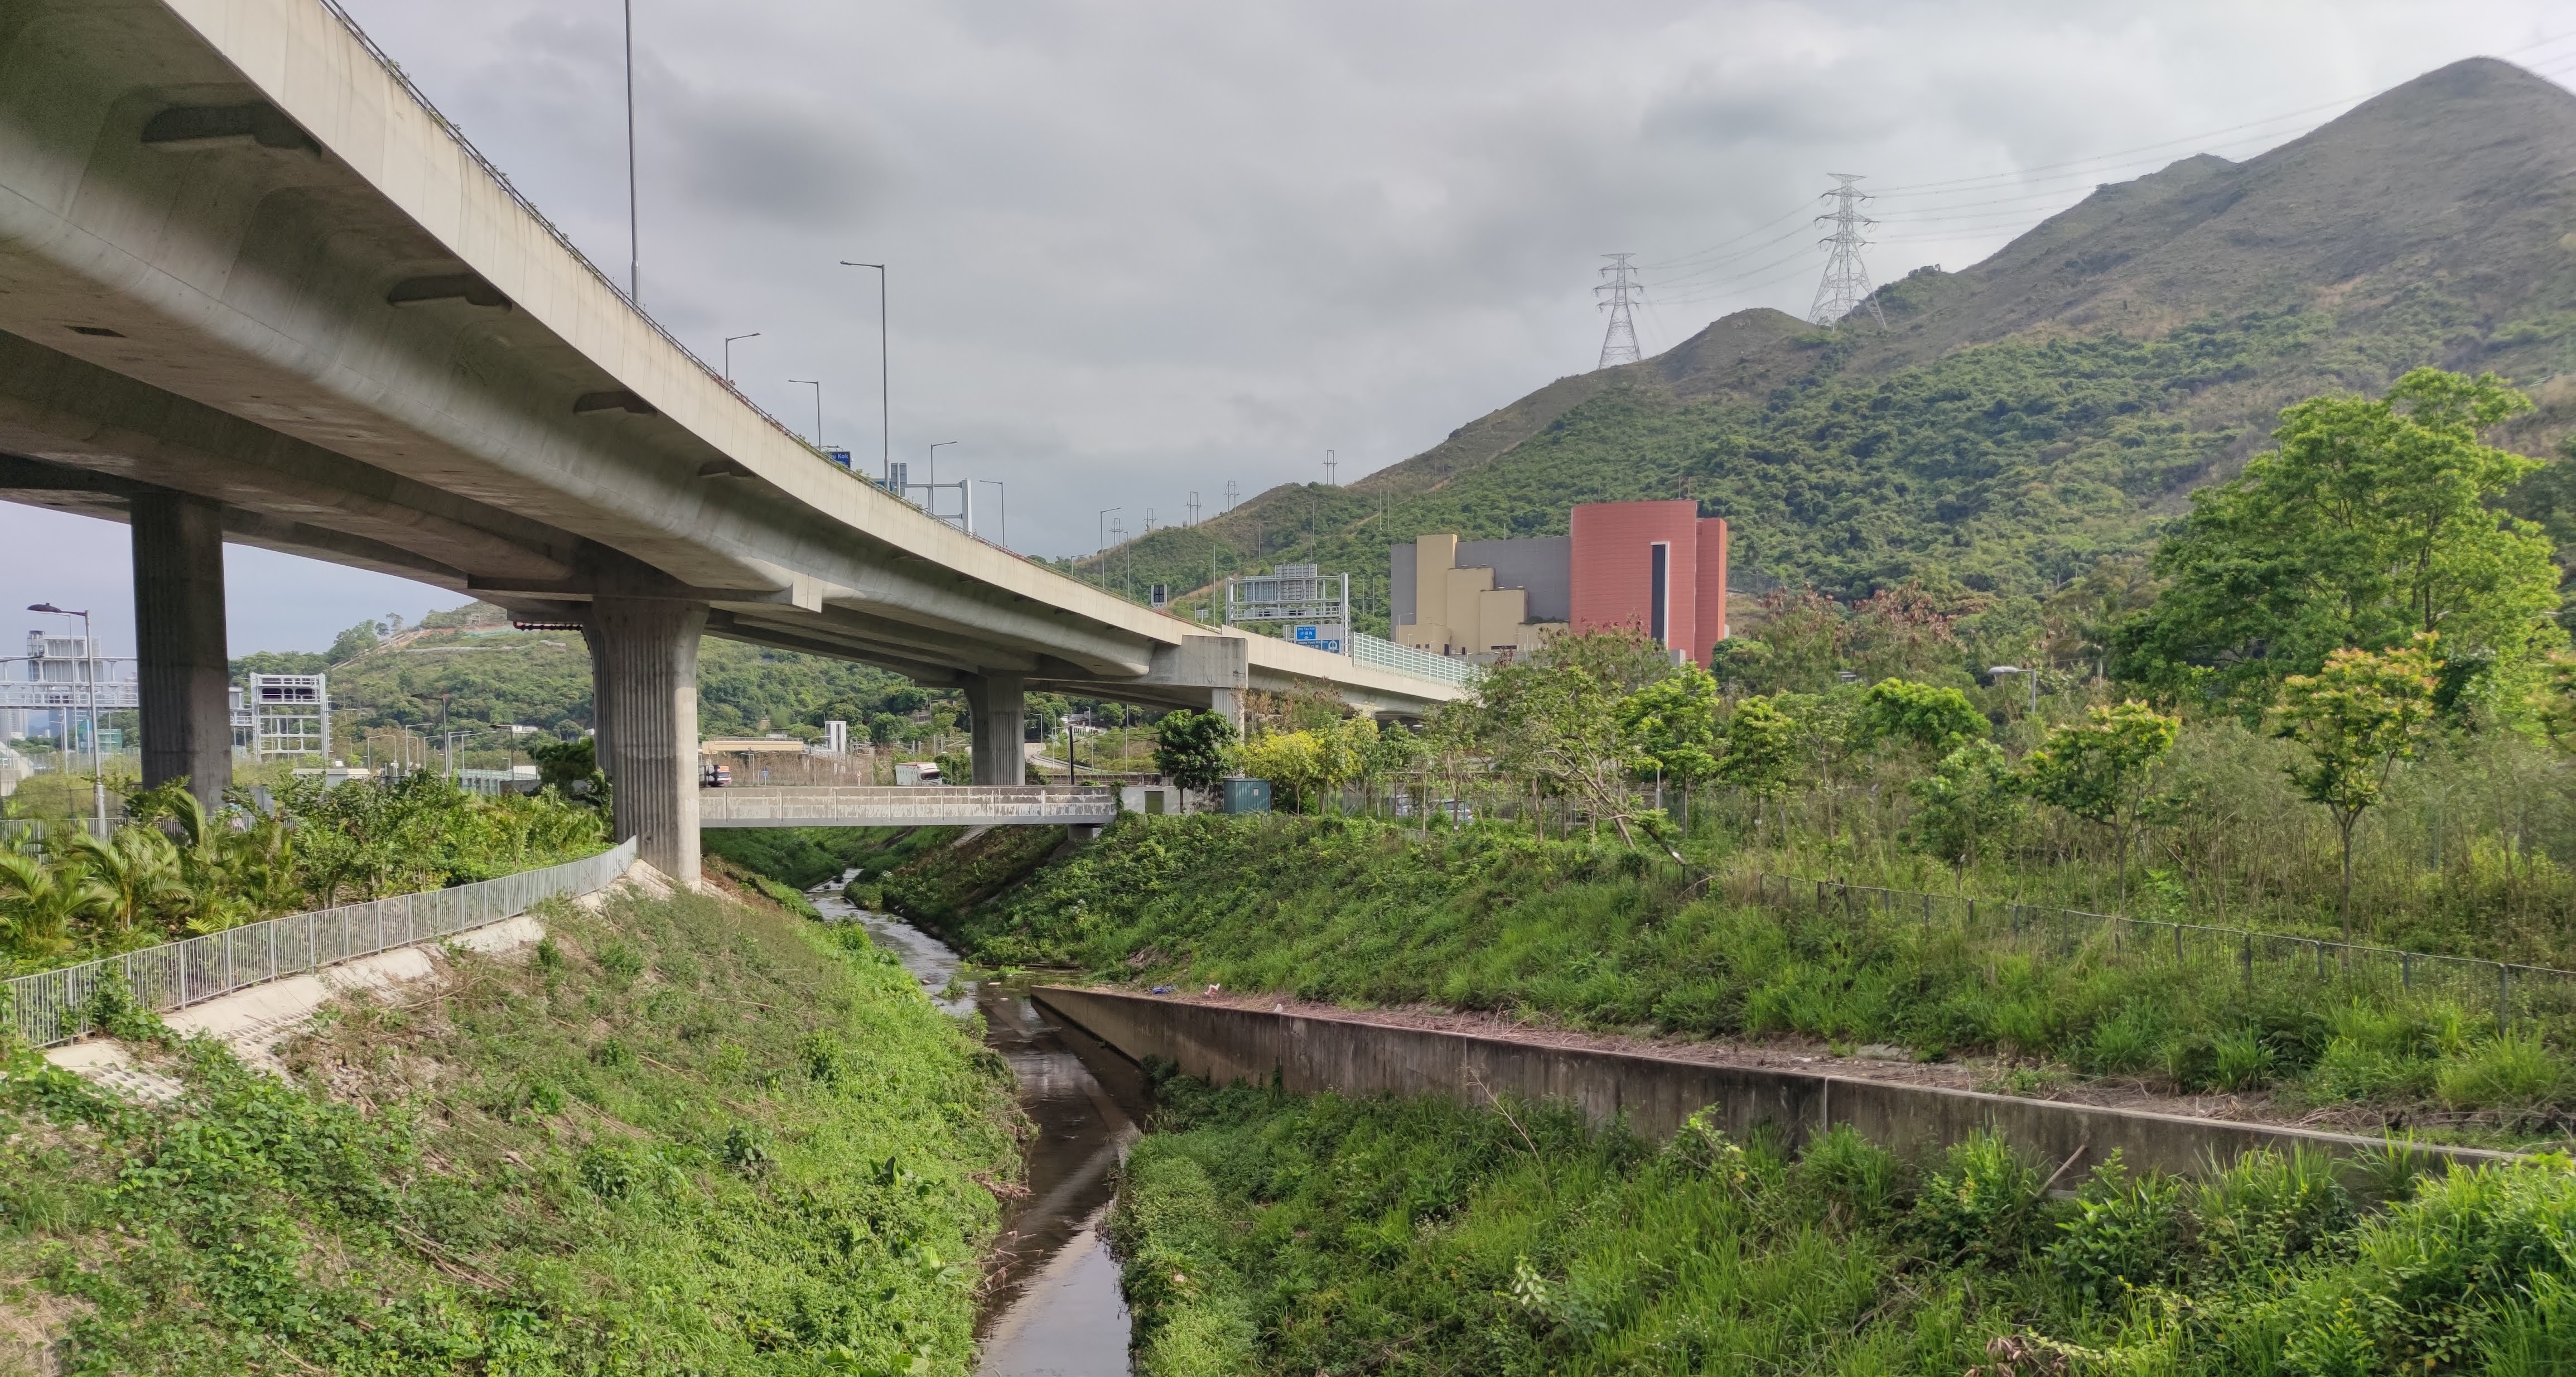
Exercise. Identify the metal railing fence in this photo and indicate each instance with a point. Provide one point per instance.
(2511, 991)
(1379, 653)
(48, 1007)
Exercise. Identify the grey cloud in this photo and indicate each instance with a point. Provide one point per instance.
(1144, 247)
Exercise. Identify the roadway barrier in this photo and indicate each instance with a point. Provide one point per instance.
(927, 805)
(45, 1008)
(1404, 659)
(1653, 1094)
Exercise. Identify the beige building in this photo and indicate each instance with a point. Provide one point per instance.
(1460, 611)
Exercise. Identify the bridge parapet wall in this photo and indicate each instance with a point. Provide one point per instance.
(923, 806)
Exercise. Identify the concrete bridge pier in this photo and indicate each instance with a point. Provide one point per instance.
(999, 707)
(184, 675)
(644, 695)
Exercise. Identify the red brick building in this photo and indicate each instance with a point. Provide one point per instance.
(1659, 567)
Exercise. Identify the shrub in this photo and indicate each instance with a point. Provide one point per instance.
(2511, 1071)
(2269, 1209)
(2126, 1232)
(2126, 1043)
(1843, 1169)
(1981, 1203)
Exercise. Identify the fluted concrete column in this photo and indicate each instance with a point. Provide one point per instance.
(184, 675)
(644, 695)
(1228, 704)
(999, 705)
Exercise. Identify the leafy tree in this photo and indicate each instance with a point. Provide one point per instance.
(1759, 753)
(138, 869)
(1971, 799)
(1674, 724)
(2098, 770)
(2356, 718)
(1553, 720)
(1293, 762)
(355, 641)
(41, 902)
(1939, 720)
(2369, 524)
(1194, 749)
(1741, 662)
(571, 768)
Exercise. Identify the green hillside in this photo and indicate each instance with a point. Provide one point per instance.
(2027, 416)
(468, 669)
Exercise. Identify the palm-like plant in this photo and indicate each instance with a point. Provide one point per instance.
(139, 870)
(40, 901)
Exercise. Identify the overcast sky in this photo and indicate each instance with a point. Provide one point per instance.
(1143, 249)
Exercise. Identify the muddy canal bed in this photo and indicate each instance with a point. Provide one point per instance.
(1054, 1308)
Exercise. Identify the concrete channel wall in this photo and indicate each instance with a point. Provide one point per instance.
(1655, 1094)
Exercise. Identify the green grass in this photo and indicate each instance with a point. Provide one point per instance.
(681, 1136)
(938, 886)
(1264, 1233)
(1488, 918)
(803, 857)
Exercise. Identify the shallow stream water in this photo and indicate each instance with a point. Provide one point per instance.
(1054, 1309)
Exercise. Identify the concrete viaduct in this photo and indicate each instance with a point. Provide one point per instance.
(254, 288)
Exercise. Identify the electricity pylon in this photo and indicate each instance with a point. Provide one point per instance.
(1845, 288)
(1620, 344)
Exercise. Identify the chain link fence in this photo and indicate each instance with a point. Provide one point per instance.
(49, 1006)
(2511, 993)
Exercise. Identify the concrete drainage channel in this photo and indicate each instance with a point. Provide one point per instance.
(1306, 1053)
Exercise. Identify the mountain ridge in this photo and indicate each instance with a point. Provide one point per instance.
(2176, 313)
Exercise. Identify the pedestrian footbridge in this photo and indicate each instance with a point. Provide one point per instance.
(976, 805)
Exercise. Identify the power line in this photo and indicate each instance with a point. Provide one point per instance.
(2087, 166)
(1845, 287)
(1619, 344)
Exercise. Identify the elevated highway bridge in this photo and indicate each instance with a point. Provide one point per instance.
(254, 288)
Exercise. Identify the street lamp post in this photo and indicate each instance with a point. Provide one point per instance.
(89, 691)
(728, 352)
(1998, 671)
(1104, 537)
(1002, 508)
(885, 377)
(817, 385)
(634, 241)
(934, 462)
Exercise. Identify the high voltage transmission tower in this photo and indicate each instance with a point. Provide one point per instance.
(1846, 285)
(1620, 344)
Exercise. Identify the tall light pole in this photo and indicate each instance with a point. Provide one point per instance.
(89, 681)
(634, 243)
(817, 385)
(1002, 506)
(934, 464)
(885, 376)
(1104, 538)
(1999, 671)
(728, 352)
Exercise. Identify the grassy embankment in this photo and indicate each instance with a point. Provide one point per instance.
(1272, 1234)
(1488, 918)
(678, 1136)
